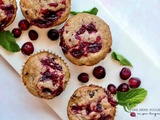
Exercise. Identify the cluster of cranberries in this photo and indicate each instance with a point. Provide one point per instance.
(28, 48)
(125, 73)
(98, 72)
(133, 82)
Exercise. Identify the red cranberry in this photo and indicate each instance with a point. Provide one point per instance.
(112, 89)
(27, 48)
(53, 34)
(91, 28)
(123, 87)
(134, 82)
(83, 77)
(125, 73)
(17, 32)
(99, 72)
(133, 114)
(33, 35)
(24, 24)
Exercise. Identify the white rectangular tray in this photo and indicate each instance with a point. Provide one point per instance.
(123, 42)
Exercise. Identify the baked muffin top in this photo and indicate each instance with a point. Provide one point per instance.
(85, 39)
(45, 75)
(45, 13)
(91, 103)
(8, 10)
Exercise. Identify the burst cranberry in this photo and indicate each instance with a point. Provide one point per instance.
(27, 48)
(99, 72)
(134, 82)
(123, 87)
(125, 73)
(17, 32)
(24, 24)
(53, 34)
(83, 77)
(112, 89)
(33, 35)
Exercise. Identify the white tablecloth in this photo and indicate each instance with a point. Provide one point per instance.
(139, 17)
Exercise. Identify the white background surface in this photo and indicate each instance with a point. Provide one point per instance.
(139, 17)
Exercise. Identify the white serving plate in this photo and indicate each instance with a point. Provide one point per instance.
(123, 42)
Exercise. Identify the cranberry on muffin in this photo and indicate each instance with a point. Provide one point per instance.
(8, 9)
(45, 75)
(91, 103)
(45, 13)
(85, 39)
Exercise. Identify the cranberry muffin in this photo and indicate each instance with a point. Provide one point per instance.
(85, 39)
(45, 13)
(45, 75)
(91, 103)
(8, 9)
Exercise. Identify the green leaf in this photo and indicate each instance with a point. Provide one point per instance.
(93, 11)
(121, 59)
(131, 98)
(7, 41)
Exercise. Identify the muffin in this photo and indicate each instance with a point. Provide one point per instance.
(91, 103)
(45, 13)
(45, 75)
(8, 9)
(85, 39)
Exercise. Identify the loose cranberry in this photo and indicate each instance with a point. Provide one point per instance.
(53, 34)
(125, 73)
(133, 114)
(112, 89)
(33, 35)
(83, 77)
(134, 82)
(24, 24)
(17, 32)
(27, 48)
(99, 72)
(123, 87)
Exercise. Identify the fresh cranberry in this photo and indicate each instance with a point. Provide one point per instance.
(112, 88)
(125, 73)
(27, 48)
(33, 35)
(134, 82)
(24, 24)
(17, 32)
(123, 87)
(83, 77)
(133, 114)
(53, 34)
(99, 72)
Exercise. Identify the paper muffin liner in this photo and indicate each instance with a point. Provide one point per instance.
(59, 58)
